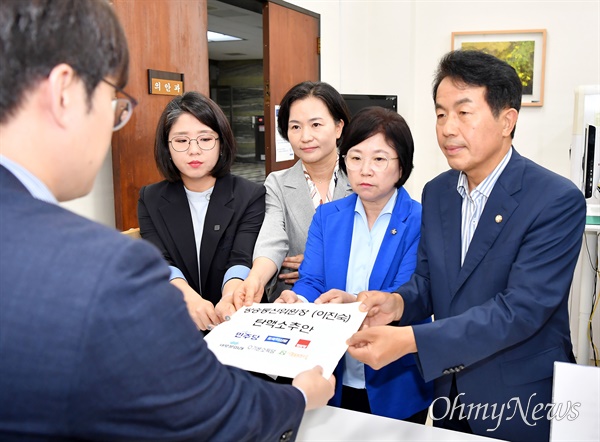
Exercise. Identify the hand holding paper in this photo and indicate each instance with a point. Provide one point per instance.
(286, 339)
(381, 307)
(379, 346)
(316, 388)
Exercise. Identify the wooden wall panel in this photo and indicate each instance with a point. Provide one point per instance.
(290, 36)
(168, 36)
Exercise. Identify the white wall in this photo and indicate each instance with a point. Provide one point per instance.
(392, 47)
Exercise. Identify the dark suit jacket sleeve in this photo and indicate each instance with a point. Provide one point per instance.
(149, 373)
(416, 292)
(248, 229)
(148, 229)
(537, 271)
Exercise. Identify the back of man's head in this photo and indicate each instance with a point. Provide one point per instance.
(37, 35)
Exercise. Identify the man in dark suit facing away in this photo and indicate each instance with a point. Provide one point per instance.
(95, 343)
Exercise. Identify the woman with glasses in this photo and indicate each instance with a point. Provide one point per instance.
(312, 117)
(368, 241)
(203, 219)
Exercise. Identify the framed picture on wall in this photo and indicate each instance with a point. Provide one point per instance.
(524, 50)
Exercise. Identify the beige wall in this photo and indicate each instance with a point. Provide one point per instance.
(392, 47)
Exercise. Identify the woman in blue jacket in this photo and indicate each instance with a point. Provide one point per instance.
(368, 241)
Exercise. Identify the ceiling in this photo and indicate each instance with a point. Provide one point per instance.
(239, 22)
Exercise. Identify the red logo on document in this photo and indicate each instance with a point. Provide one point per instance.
(302, 343)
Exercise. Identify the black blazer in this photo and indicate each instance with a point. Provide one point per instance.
(235, 213)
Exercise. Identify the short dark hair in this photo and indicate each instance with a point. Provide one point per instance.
(372, 120)
(323, 91)
(504, 89)
(37, 35)
(207, 112)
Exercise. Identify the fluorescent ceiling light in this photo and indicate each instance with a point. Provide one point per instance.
(216, 36)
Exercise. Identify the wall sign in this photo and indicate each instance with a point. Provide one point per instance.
(164, 83)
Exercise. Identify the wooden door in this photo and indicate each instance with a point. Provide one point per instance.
(167, 36)
(291, 55)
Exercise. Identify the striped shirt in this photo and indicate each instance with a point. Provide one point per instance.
(473, 203)
(315, 196)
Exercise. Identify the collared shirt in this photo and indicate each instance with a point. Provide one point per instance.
(315, 196)
(474, 202)
(363, 253)
(32, 183)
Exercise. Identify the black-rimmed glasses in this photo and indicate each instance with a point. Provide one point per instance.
(123, 107)
(181, 143)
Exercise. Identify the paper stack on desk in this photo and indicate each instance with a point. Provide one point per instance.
(285, 339)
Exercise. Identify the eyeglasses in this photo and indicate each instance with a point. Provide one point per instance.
(181, 143)
(377, 163)
(122, 107)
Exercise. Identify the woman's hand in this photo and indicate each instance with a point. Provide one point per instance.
(225, 308)
(335, 296)
(201, 311)
(248, 292)
(287, 297)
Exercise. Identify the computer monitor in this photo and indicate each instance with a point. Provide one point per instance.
(357, 102)
(585, 145)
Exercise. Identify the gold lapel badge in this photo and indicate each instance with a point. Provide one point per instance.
(394, 231)
(498, 219)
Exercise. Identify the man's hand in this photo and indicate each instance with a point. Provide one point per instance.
(379, 346)
(382, 307)
(293, 263)
(287, 297)
(316, 388)
(335, 296)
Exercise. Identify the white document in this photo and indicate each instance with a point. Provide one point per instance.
(285, 339)
(283, 148)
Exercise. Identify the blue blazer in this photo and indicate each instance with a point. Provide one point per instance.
(501, 319)
(95, 343)
(397, 390)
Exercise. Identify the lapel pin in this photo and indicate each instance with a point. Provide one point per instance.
(394, 231)
(217, 227)
(498, 219)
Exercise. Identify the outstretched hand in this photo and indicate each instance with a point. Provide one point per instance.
(225, 308)
(287, 297)
(335, 296)
(247, 293)
(381, 307)
(379, 346)
(317, 389)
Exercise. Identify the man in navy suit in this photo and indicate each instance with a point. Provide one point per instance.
(500, 238)
(95, 344)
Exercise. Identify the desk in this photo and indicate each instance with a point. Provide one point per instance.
(336, 424)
